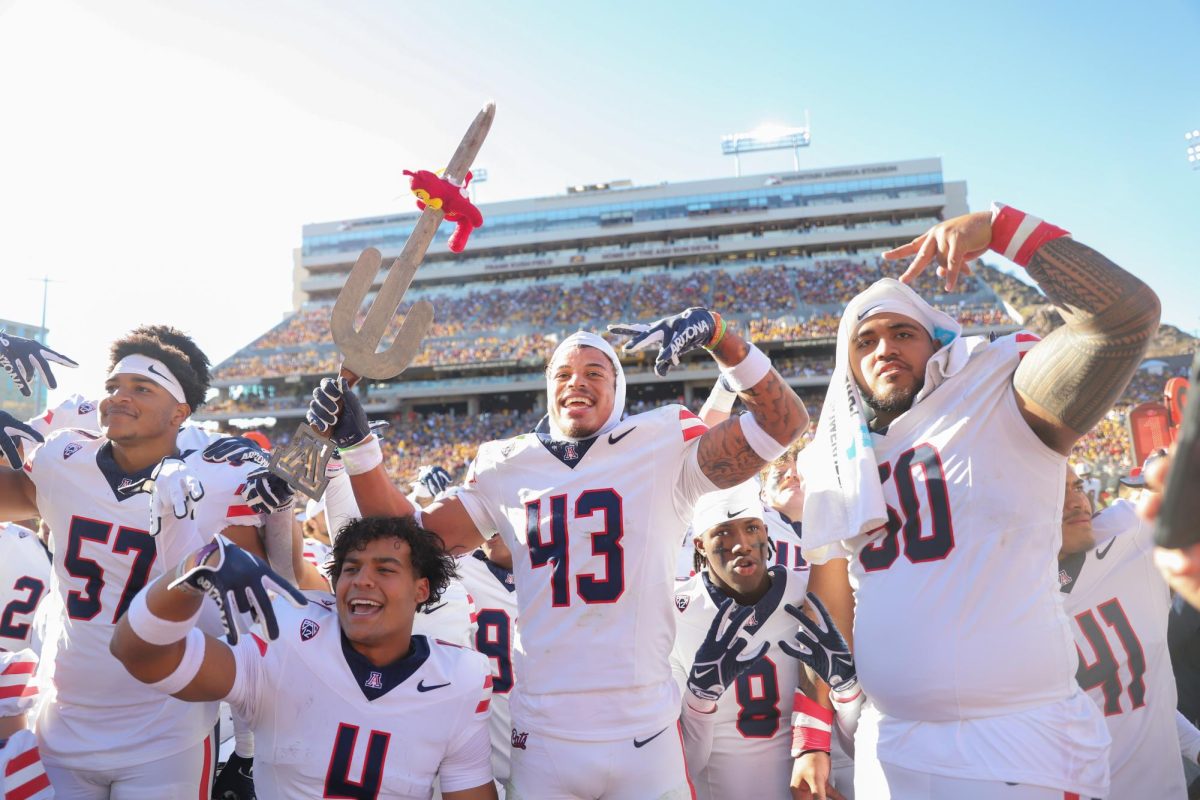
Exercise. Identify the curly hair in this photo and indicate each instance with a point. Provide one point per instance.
(174, 348)
(427, 552)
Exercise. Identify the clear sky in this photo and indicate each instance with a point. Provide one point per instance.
(160, 158)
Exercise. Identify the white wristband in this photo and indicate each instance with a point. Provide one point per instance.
(152, 628)
(189, 665)
(719, 399)
(363, 457)
(761, 442)
(749, 371)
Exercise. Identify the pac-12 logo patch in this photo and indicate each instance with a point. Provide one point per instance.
(86, 407)
(308, 629)
(374, 681)
(71, 449)
(681, 602)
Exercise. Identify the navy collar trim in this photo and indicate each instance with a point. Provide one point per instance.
(569, 453)
(504, 576)
(375, 681)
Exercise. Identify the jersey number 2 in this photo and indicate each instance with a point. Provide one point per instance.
(14, 630)
(554, 549)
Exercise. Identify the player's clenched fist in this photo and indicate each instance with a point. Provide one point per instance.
(674, 336)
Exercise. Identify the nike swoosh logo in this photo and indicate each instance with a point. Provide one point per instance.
(735, 514)
(614, 439)
(1107, 547)
(868, 311)
(644, 742)
(421, 687)
(159, 374)
(432, 609)
(701, 673)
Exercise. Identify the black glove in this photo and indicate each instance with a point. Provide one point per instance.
(674, 336)
(346, 426)
(267, 493)
(719, 658)
(12, 429)
(435, 479)
(822, 647)
(235, 449)
(236, 780)
(238, 582)
(22, 358)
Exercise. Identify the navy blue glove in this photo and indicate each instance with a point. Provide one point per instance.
(236, 449)
(347, 425)
(267, 493)
(236, 779)
(435, 479)
(23, 358)
(12, 429)
(719, 659)
(673, 336)
(822, 647)
(238, 582)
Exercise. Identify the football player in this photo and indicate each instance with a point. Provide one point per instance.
(345, 701)
(24, 579)
(593, 508)
(743, 739)
(100, 732)
(938, 468)
(1118, 605)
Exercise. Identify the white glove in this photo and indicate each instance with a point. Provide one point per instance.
(174, 493)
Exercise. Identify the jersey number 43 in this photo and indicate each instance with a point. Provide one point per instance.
(554, 550)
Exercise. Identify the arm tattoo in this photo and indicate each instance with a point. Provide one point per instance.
(724, 455)
(1079, 370)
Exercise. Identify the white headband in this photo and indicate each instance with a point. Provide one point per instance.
(739, 502)
(585, 339)
(152, 368)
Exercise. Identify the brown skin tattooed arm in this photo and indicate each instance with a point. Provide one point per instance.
(1070, 380)
(724, 455)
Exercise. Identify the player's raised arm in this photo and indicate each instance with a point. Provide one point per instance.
(735, 450)
(335, 411)
(157, 640)
(18, 497)
(1068, 381)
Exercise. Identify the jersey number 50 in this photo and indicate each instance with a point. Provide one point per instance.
(920, 544)
(554, 550)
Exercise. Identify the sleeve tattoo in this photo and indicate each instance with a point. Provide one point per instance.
(1079, 370)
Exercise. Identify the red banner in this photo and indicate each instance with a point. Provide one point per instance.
(1148, 430)
(1175, 396)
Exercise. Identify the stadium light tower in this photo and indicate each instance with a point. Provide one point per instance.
(767, 137)
(1193, 151)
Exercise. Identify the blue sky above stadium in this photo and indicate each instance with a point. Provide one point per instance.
(160, 159)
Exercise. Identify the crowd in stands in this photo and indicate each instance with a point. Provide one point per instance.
(466, 323)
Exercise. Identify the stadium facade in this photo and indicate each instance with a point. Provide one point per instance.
(779, 253)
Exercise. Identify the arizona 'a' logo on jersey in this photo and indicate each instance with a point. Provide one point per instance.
(308, 629)
(681, 602)
(374, 681)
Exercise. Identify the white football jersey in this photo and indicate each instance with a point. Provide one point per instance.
(327, 723)
(450, 618)
(752, 730)
(594, 528)
(24, 581)
(493, 591)
(785, 539)
(98, 716)
(1118, 604)
(958, 617)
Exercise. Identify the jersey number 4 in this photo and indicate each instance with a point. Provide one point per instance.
(553, 549)
(86, 604)
(927, 529)
(337, 778)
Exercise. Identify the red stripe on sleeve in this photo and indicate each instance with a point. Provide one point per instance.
(1005, 226)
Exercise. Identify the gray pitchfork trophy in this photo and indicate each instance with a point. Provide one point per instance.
(302, 462)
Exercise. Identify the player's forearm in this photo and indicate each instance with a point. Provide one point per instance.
(725, 454)
(152, 662)
(377, 496)
(1080, 370)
